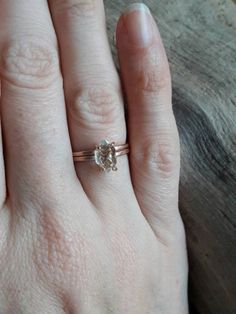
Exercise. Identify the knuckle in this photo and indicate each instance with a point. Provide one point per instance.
(75, 8)
(165, 157)
(161, 156)
(154, 75)
(96, 108)
(29, 63)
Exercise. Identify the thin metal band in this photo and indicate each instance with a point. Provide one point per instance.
(91, 152)
(91, 157)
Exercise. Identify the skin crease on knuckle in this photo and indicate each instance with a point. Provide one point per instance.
(29, 63)
(158, 156)
(154, 75)
(97, 108)
(75, 8)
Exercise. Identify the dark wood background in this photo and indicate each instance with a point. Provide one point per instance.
(200, 39)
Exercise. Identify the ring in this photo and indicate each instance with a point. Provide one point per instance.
(105, 155)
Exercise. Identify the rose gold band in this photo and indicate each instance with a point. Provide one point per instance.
(92, 157)
(89, 154)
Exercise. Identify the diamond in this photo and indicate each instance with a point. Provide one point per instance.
(105, 156)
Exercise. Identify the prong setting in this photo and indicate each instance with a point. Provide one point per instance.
(105, 156)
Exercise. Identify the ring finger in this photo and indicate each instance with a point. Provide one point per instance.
(92, 88)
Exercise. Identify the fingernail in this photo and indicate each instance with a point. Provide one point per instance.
(138, 23)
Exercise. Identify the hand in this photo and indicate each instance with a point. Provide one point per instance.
(74, 239)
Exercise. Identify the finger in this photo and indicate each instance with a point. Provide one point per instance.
(152, 129)
(2, 166)
(2, 172)
(38, 151)
(92, 87)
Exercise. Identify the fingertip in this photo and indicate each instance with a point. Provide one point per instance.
(142, 57)
(135, 27)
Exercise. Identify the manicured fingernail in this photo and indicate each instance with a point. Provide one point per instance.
(138, 23)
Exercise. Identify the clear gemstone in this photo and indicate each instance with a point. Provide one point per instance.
(105, 156)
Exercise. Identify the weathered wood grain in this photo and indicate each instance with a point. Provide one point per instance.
(200, 39)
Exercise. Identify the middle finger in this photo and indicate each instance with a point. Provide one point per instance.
(37, 145)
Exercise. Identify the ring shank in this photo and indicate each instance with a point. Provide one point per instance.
(91, 157)
(91, 152)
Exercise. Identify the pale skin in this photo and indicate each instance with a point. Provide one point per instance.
(74, 239)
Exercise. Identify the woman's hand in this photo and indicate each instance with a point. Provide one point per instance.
(74, 239)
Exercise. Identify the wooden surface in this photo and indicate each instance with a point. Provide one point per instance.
(200, 39)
